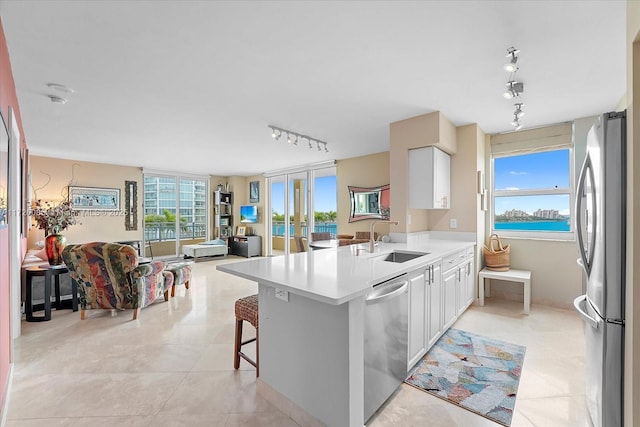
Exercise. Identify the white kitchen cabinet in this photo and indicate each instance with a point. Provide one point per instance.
(429, 178)
(465, 285)
(449, 300)
(434, 304)
(417, 316)
(471, 281)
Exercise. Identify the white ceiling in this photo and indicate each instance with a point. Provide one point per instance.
(192, 85)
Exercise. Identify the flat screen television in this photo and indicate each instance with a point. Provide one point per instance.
(249, 214)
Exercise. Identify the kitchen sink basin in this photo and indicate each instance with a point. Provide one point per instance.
(402, 256)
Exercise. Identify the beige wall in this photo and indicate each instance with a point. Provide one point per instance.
(421, 131)
(464, 194)
(109, 226)
(632, 320)
(364, 171)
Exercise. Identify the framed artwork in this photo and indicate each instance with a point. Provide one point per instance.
(131, 205)
(254, 191)
(241, 231)
(92, 198)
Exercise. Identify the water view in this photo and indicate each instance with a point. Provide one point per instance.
(534, 226)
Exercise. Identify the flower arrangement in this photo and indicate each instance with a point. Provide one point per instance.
(54, 218)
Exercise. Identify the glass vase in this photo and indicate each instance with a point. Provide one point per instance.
(54, 244)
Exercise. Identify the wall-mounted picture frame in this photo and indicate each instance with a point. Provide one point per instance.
(94, 198)
(254, 191)
(131, 205)
(480, 182)
(241, 231)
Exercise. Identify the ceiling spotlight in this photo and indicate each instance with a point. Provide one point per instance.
(288, 137)
(309, 143)
(518, 112)
(514, 89)
(57, 99)
(512, 65)
(296, 141)
(326, 150)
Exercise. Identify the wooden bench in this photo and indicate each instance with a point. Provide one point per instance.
(519, 276)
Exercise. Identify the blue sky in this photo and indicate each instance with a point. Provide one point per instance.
(545, 170)
(325, 195)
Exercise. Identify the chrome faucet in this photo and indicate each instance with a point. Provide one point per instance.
(372, 226)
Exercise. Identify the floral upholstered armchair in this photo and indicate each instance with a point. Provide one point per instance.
(109, 277)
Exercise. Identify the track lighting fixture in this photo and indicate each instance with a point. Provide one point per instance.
(512, 65)
(514, 88)
(294, 137)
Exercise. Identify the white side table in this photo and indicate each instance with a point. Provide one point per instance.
(518, 276)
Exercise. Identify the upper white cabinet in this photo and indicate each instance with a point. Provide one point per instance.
(429, 178)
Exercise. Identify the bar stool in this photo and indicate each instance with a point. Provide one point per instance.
(246, 310)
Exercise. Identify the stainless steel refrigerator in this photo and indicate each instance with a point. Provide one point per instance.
(601, 230)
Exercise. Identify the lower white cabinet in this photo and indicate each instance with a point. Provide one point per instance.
(434, 298)
(417, 316)
(438, 294)
(449, 297)
(465, 282)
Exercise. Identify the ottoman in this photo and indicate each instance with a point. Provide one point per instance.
(181, 274)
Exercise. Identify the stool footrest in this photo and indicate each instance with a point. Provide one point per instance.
(247, 341)
(245, 357)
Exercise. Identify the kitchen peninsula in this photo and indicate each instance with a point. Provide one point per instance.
(311, 317)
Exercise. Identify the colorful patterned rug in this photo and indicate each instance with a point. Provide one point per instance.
(474, 372)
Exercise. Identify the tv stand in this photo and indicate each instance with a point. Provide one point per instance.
(246, 246)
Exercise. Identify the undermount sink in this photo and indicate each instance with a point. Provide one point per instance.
(402, 256)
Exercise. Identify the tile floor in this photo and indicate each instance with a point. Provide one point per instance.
(174, 367)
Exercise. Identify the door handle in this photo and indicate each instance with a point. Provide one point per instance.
(578, 304)
(393, 290)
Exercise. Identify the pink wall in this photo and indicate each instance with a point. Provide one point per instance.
(8, 99)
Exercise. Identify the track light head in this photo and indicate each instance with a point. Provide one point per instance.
(518, 112)
(514, 89)
(512, 65)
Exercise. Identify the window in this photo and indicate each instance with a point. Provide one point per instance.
(533, 194)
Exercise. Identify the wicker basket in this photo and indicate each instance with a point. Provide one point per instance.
(497, 258)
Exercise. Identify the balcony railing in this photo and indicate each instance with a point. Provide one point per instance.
(161, 231)
(278, 227)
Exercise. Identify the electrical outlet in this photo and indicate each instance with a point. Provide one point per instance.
(408, 219)
(282, 295)
(453, 223)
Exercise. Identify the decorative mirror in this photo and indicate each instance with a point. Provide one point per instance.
(369, 203)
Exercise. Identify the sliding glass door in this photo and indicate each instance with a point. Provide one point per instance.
(292, 196)
(175, 213)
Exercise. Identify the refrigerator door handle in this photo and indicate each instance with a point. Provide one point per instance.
(587, 257)
(578, 304)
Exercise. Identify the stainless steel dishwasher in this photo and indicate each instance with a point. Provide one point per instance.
(385, 341)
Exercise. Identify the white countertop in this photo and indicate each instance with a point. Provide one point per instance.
(335, 276)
